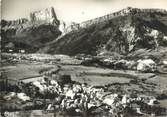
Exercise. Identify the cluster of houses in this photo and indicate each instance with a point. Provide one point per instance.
(73, 98)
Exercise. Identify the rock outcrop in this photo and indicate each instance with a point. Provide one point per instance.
(45, 16)
(66, 27)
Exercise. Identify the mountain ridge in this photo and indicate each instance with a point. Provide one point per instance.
(123, 12)
(121, 32)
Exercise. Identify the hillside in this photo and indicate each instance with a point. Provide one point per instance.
(30, 34)
(122, 32)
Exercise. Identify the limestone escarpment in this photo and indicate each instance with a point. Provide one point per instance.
(45, 16)
(124, 12)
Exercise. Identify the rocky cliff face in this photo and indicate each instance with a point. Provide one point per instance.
(122, 32)
(66, 27)
(45, 16)
(32, 34)
(124, 12)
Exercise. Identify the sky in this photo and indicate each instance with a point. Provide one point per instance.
(73, 10)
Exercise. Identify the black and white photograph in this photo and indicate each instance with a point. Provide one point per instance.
(83, 58)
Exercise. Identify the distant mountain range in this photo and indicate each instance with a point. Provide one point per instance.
(122, 32)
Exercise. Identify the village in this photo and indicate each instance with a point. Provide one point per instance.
(64, 91)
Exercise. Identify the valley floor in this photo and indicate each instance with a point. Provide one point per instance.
(116, 81)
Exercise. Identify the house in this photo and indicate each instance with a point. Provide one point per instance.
(10, 47)
(21, 51)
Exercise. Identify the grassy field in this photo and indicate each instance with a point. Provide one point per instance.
(83, 74)
(20, 71)
(101, 76)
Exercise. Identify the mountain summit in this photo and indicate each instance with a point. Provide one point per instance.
(45, 16)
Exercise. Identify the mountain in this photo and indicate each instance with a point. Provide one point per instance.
(30, 34)
(122, 32)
